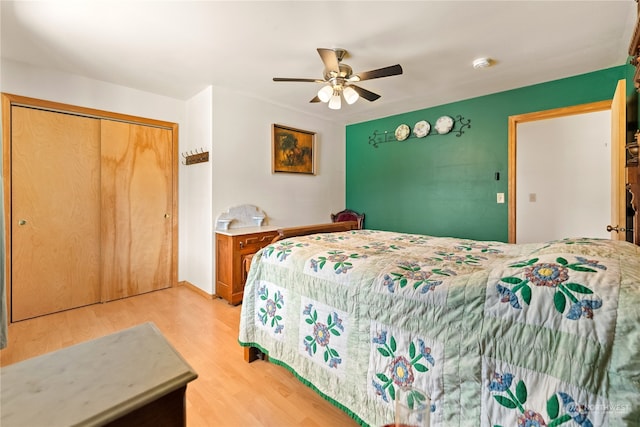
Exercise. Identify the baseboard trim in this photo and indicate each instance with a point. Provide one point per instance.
(196, 289)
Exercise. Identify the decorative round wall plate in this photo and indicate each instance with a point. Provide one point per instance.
(421, 129)
(444, 125)
(402, 132)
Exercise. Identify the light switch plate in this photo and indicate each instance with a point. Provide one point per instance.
(500, 197)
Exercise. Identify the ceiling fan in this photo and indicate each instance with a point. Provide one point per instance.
(339, 79)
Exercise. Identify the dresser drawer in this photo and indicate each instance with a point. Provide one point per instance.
(253, 242)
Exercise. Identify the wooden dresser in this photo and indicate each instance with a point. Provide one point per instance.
(234, 249)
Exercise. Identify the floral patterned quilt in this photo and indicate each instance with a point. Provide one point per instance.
(498, 334)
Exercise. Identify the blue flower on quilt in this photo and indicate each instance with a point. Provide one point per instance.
(337, 321)
(430, 286)
(334, 362)
(380, 391)
(381, 338)
(501, 382)
(307, 309)
(507, 295)
(576, 411)
(584, 309)
(262, 292)
(426, 352)
(591, 263)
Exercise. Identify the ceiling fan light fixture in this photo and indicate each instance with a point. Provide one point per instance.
(335, 102)
(350, 95)
(325, 93)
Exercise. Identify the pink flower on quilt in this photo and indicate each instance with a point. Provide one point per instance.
(547, 274)
(322, 334)
(402, 371)
(531, 419)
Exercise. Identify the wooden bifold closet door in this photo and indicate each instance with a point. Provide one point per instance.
(136, 209)
(92, 209)
(55, 202)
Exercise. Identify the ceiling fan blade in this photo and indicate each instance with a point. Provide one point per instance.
(366, 94)
(315, 99)
(287, 79)
(330, 59)
(392, 70)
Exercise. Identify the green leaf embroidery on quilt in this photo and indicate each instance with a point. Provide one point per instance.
(502, 383)
(521, 392)
(322, 335)
(554, 275)
(400, 368)
(382, 377)
(420, 367)
(553, 407)
(580, 268)
(505, 401)
(384, 352)
(576, 287)
(526, 294)
(559, 301)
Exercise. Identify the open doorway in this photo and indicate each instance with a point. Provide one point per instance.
(570, 212)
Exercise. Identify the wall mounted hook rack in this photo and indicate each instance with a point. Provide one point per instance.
(191, 158)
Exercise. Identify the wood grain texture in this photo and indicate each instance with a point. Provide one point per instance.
(137, 206)
(618, 160)
(55, 195)
(227, 392)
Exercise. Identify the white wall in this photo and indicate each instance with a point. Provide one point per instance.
(564, 164)
(195, 195)
(236, 128)
(242, 162)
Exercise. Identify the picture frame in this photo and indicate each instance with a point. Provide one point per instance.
(292, 150)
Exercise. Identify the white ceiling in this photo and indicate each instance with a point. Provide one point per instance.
(177, 48)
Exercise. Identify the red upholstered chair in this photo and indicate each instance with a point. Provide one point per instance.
(349, 215)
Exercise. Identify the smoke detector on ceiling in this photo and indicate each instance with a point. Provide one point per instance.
(481, 63)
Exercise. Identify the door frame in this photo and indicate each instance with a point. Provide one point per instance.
(8, 101)
(513, 142)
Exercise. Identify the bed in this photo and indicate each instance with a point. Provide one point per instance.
(498, 334)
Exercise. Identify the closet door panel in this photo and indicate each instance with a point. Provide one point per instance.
(55, 203)
(137, 204)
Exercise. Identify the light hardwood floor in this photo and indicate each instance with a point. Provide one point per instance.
(227, 392)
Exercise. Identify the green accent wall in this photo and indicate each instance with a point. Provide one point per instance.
(444, 185)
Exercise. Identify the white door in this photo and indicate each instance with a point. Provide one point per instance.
(616, 199)
(564, 177)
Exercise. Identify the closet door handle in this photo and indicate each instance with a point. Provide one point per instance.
(167, 215)
(22, 222)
